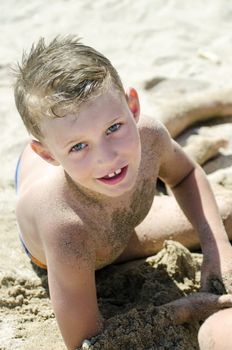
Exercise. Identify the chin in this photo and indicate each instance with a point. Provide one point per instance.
(118, 192)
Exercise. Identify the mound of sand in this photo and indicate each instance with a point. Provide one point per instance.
(127, 296)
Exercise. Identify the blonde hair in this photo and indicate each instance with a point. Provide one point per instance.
(63, 73)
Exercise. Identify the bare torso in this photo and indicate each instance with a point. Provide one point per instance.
(110, 226)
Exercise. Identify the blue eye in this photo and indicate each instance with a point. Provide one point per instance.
(113, 128)
(78, 147)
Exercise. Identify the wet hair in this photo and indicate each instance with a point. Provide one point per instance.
(64, 73)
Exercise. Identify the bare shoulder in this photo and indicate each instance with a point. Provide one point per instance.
(36, 200)
(153, 133)
(49, 224)
(148, 122)
(151, 126)
(69, 241)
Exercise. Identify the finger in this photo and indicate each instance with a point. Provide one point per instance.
(225, 300)
(213, 285)
(229, 289)
(217, 286)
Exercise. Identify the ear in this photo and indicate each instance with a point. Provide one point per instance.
(43, 152)
(133, 102)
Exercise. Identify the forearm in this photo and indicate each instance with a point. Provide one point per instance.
(75, 329)
(197, 201)
(74, 304)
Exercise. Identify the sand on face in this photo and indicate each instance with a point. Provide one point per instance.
(167, 50)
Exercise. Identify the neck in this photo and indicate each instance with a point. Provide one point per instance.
(90, 196)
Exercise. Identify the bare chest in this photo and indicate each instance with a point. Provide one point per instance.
(112, 230)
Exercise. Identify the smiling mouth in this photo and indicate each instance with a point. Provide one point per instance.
(114, 178)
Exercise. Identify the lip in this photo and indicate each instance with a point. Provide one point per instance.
(115, 180)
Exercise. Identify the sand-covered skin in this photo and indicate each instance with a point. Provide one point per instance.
(167, 50)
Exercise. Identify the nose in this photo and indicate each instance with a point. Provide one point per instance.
(106, 154)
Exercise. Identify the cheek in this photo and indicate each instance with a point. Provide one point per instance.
(132, 141)
(79, 169)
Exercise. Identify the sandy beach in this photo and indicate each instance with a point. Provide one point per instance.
(167, 50)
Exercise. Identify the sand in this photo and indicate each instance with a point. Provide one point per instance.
(167, 50)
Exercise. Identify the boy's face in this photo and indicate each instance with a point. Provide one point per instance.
(98, 145)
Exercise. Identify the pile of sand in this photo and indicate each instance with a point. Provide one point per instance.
(127, 296)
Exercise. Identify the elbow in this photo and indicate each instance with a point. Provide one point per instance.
(185, 178)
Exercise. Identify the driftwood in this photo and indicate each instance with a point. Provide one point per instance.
(202, 148)
(177, 115)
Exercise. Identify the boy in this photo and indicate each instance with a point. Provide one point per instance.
(86, 183)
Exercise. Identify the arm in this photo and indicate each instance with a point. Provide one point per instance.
(195, 197)
(72, 289)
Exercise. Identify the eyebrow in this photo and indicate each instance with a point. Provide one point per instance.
(112, 121)
(73, 142)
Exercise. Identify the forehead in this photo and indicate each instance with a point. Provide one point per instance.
(96, 112)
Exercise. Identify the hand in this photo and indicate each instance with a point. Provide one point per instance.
(216, 271)
(196, 307)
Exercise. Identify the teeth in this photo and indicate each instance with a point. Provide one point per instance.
(115, 173)
(118, 171)
(111, 175)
